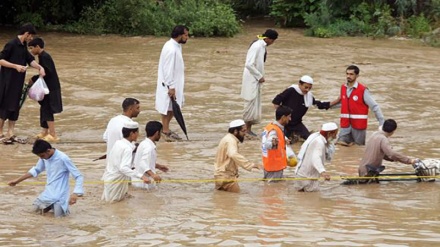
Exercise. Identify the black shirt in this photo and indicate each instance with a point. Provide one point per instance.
(11, 81)
(291, 98)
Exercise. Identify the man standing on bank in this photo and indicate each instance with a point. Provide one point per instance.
(253, 78)
(14, 59)
(171, 79)
(51, 103)
(355, 100)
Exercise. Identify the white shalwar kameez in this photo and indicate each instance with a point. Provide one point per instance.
(170, 74)
(145, 160)
(251, 88)
(311, 162)
(113, 132)
(118, 171)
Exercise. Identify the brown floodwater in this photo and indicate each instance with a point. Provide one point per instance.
(98, 72)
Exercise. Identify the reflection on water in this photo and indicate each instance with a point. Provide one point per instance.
(98, 72)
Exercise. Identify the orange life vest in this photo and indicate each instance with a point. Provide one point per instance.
(275, 159)
(354, 111)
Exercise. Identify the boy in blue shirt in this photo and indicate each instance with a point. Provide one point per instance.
(58, 167)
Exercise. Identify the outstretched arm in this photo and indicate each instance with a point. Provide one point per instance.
(20, 179)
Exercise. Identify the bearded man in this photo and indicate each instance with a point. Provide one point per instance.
(228, 159)
(314, 152)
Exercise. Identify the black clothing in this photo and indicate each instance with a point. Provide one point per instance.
(45, 112)
(52, 101)
(11, 81)
(291, 98)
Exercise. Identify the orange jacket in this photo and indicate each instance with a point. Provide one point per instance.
(275, 159)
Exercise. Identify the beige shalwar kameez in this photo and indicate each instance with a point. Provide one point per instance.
(227, 162)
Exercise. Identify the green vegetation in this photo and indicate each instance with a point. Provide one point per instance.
(140, 17)
(321, 18)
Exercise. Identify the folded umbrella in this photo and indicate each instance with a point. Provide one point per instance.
(179, 117)
(24, 93)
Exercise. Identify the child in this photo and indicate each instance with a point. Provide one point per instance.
(58, 166)
(52, 102)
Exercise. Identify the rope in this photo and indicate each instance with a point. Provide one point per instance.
(188, 181)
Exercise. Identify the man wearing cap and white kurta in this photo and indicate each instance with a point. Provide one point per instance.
(314, 152)
(253, 78)
(113, 132)
(228, 159)
(299, 98)
(118, 171)
(171, 79)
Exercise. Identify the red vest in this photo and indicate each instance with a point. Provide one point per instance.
(354, 112)
(275, 159)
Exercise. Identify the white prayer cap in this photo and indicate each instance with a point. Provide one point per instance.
(131, 125)
(329, 126)
(236, 123)
(306, 79)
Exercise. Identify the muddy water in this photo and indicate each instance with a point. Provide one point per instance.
(98, 72)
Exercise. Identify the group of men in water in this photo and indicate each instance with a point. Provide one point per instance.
(125, 166)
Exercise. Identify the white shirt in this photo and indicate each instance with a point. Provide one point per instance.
(312, 157)
(253, 70)
(119, 161)
(145, 160)
(170, 74)
(113, 132)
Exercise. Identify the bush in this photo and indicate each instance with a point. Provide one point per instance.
(150, 17)
(289, 13)
(417, 26)
(33, 18)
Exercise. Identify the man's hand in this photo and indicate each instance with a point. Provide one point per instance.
(13, 182)
(172, 93)
(42, 72)
(323, 105)
(156, 178)
(73, 198)
(275, 143)
(145, 179)
(257, 166)
(325, 176)
(261, 80)
(414, 161)
(20, 68)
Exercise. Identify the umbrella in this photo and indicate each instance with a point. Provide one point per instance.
(103, 157)
(24, 93)
(179, 117)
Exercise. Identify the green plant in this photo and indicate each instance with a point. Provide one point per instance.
(418, 26)
(33, 18)
(292, 12)
(148, 17)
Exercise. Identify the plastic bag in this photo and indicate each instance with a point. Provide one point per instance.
(292, 161)
(38, 90)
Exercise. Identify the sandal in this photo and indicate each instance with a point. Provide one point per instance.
(14, 138)
(171, 136)
(6, 141)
